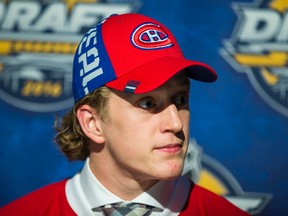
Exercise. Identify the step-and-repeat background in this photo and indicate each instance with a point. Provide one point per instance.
(239, 125)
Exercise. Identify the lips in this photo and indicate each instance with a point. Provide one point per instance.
(171, 148)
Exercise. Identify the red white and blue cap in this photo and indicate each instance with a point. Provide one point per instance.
(131, 53)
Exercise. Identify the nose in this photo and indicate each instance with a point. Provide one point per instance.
(171, 121)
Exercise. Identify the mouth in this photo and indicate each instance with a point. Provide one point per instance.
(171, 148)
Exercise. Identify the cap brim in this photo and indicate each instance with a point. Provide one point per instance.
(153, 74)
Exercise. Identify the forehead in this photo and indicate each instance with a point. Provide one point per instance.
(179, 82)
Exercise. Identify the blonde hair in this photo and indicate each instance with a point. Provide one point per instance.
(70, 137)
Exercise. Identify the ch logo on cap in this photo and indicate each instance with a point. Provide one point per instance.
(150, 36)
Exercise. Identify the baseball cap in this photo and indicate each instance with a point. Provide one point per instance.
(131, 53)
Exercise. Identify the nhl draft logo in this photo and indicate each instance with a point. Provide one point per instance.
(259, 48)
(209, 173)
(37, 43)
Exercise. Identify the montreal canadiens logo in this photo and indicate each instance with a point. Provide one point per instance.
(150, 36)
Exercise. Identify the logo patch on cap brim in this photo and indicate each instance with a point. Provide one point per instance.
(131, 86)
(150, 36)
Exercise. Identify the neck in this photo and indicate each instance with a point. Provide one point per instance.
(118, 181)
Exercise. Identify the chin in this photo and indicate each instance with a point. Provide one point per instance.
(171, 172)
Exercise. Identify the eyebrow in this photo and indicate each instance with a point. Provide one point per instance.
(184, 82)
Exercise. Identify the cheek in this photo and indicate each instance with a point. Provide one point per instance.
(185, 117)
(133, 124)
(126, 130)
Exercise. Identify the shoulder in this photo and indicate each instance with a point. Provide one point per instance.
(204, 202)
(48, 200)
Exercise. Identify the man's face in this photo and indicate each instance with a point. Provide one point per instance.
(147, 135)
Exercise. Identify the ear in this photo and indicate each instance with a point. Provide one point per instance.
(90, 123)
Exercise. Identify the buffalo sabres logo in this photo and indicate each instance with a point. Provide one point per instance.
(150, 36)
(258, 47)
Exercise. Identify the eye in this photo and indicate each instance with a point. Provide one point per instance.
(147, 104)
(181, 101)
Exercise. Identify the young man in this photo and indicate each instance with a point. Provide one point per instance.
(130, 122)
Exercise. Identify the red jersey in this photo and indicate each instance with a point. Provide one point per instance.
(51, 200)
